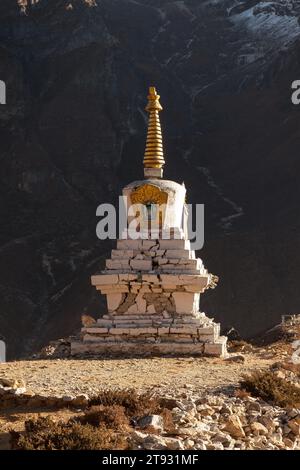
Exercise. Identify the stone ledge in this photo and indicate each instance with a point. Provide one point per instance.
(149, 349)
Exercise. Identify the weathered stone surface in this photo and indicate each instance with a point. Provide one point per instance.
(127, 254)
(113, 301)
(127, 244)
(184, 302)
(102, 279)
(155, 421)
(117, 264)
(218, 348)
(259, 429)
(174, 244)
(136, 349)
(234, 427)
(141, 265)
(95, 330)
(294, 425)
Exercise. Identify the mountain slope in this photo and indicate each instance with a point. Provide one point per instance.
(73, 131)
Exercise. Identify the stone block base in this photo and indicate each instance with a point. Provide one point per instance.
(137, 349)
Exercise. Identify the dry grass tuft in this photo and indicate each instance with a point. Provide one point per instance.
(269, 387)
(45, 434)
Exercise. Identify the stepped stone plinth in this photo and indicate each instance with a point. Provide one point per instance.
(153, 282)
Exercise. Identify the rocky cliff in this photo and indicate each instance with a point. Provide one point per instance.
(72, 134)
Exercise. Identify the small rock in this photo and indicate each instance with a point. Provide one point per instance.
(215, 446)
(294, 425)
(254, 406)
(293, 413)
(67, 398)
(12, 383)
(225, 439)
(153, 442)
(81, 400)
(259, 429)
(138, 436)
(280, 374)
(205, 410)
(200, 445)
(189, 444)
(267, 421)
(155, 421)
(226, 410)
(288, 443)
(87, 320)
(237, 358)
(19, 390)
(234, 426)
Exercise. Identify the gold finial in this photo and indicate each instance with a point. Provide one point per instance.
(154, 154)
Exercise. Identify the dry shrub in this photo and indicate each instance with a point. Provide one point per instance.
(295, 368)
(136, 405)
(269, 387)
(169, 425)
(113, 417)
(103, 426)
(119, 408)
(45, 434)
(241, 393)
(239, 346)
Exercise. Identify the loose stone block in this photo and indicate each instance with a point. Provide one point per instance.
(96, 330)
(141, 303)
(141, 265)
(174, 244)
(184, 302)
(127, 244)
(145, 289)
(149, 244)
(103, 279)
(152, 278)
(186, 330)
(151, 309)
(117, 264)
(161, 260)
(133, 309)
(112, 289)
(216, 349)
(127, 277)
(178, 254)
(120, 331)
(163, 330)
(123, 254)
(113, 301)
(105, 323)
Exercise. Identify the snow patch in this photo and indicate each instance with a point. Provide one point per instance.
(270, 26)
(226, 222)
(46, 264)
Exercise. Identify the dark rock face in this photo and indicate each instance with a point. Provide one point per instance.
(73, 130)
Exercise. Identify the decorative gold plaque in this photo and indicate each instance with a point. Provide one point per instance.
(148, 194)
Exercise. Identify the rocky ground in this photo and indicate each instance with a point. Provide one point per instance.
(208, 408)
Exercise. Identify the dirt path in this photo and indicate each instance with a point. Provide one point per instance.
(58, 377)
(69, 376)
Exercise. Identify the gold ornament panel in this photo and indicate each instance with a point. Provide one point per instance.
(148, 193)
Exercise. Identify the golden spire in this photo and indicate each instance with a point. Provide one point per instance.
(154, 154)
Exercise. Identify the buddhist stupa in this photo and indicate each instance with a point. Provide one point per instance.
(153, 280)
